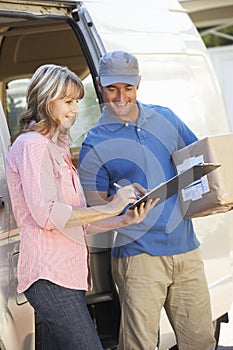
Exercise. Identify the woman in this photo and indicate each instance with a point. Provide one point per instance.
(51, 213)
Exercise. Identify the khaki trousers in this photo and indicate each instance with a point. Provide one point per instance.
(147, 283)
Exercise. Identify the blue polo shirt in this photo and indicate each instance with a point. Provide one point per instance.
(125, 153)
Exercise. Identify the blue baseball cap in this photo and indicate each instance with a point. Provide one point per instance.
(118, 67)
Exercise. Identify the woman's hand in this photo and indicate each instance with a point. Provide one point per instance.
(129, 194)
(138, 214)
(130, 217)
(124, 196)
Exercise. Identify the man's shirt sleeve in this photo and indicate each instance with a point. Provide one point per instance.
(92, 172)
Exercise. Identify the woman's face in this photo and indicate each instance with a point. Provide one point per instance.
(65, 110)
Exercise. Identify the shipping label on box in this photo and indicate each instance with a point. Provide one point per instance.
(213, 193)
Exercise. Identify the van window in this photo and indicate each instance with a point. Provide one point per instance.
(16, 99)
(88, 115)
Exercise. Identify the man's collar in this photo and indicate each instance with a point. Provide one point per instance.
(113, 124)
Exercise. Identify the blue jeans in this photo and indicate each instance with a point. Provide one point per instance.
(66, 322)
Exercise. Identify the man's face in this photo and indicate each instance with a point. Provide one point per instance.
(120, 99)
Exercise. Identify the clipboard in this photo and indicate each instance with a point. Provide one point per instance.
(176, 183)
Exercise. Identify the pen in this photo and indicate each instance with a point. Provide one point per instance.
(116, 185)
(138, 195)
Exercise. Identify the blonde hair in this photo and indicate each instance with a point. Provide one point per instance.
(49, 82)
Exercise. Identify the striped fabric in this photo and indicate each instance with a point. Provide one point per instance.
(44, 186)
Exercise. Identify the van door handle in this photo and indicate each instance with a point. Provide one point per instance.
(2, 203)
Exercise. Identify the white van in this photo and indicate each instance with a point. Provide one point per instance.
(176, 72)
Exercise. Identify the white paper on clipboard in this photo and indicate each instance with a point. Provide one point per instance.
(176, 183)
(198, 188)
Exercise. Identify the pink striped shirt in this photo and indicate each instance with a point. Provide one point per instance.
(44, 186)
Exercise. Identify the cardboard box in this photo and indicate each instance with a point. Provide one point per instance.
(214, 193)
